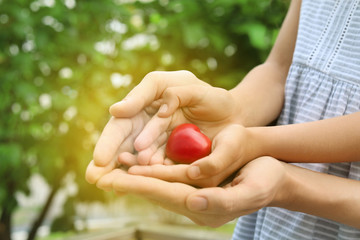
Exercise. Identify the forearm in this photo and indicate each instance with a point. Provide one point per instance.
(331, 140)
(321, 195)
(260, 95)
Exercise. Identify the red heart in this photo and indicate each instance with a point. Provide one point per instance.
(187, 144)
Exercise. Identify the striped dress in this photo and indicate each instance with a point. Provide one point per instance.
(323, 82)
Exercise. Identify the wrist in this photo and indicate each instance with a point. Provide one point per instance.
(285, 191)
(237, 115)
(256, 142)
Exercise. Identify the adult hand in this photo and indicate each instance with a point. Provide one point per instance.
(258, 184)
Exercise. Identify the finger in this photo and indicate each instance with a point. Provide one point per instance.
(149, 90)
(152, 188)
(159, 156)
(137, 99)
(106, 181)
(199, 101)
(153, 108)
(222, 201)
(172, 173)
(180, 96)
(234, 200)
(224, 159)
(94, 172)
(127, 159)
(217, 162)
(144, 156)
(113, 135)
(154, 132)
(168, 161)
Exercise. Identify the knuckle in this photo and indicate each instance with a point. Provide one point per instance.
(237, 128)
(210, 182)
(213, 167)
(228, 206)
(187, 73)
(169, 92)
(171, 98)
(153, 76)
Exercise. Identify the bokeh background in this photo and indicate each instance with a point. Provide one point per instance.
(64, 62)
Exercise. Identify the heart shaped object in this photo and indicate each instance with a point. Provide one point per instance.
(187, 144)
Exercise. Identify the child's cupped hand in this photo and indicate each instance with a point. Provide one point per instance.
(138, 131)
(185, 99)
(232, 148)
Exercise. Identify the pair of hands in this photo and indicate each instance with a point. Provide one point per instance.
(136, 137)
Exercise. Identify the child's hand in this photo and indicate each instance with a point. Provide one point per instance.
(118, 136)
(211, 109)
(232, 148)
(188, 100)
(183, 99)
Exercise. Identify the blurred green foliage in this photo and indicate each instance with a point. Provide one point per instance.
(63, 62)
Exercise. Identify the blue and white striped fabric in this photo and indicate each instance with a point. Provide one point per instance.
(323, 82)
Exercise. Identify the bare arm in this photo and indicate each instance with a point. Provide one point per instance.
(262, 182)
(260, 95)
(321, 195)
(331, 140)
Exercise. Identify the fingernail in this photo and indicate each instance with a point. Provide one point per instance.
(163, 108)
(194, 172)
(198, 204)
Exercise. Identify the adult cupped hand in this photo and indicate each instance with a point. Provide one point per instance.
(259, 183)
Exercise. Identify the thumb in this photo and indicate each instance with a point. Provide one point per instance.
(180, 96)
(212, 200)
(225, 157)
(146, 92)
(150, 89)
(138, 98)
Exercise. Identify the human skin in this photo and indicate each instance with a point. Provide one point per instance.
(326, 141)
(262, 182)
(262, 89)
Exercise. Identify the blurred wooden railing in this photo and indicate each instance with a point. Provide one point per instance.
(153, 232)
